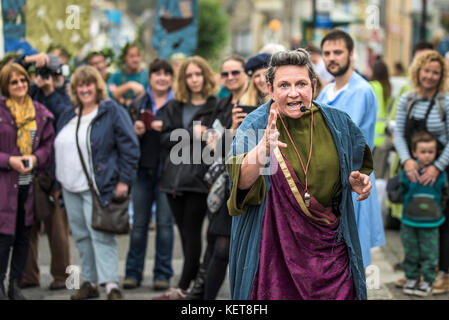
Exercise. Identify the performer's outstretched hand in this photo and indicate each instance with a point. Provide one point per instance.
(361, 184)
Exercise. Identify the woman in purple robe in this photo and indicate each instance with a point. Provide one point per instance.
(294, 234)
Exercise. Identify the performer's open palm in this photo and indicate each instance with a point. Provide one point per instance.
(361, 184)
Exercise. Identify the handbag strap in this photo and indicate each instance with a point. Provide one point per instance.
(83, 164)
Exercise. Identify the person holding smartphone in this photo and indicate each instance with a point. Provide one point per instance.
(236, 82)
(191, 114)
(147, 112)
(26, 146)
(212, 271)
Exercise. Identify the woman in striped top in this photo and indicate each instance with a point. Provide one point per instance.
(429, 103)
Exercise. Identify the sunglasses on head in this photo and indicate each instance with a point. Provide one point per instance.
(14, 82)
(234, 73)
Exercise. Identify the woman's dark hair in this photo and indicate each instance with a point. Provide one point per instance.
(160, 64)
(299, 57)
(381, 74)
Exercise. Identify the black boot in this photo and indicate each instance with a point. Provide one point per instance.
(2, 292)
(197, 292)
(14, 292)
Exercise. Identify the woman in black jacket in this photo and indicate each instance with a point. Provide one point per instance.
(187, 118)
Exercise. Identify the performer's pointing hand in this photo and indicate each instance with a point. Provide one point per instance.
(361, 184)
(271, 136)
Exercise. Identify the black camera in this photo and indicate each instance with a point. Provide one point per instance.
(44, 73)
(53, 68)
(27, 163)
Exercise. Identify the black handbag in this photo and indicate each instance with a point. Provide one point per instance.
(394, 193)
(43, 204)
(114, 218)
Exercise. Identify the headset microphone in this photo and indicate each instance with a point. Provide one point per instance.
(304, 108)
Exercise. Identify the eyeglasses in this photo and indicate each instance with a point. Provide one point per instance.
(234, 73)
(15, 82)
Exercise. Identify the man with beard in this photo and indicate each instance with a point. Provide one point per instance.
(353, 94)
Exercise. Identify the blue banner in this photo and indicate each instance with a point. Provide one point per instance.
(176, 26)
(13, 15)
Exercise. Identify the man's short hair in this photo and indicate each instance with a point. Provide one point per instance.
(312, 48)
(337, 34)
(422, 45)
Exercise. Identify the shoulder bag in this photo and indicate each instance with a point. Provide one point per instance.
(114, 218)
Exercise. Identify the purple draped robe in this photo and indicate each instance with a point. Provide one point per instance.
(301, 257)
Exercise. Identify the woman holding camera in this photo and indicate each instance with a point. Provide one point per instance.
(26, 146)
(110, 150)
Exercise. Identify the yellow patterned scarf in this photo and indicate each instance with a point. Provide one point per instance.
(25, 117)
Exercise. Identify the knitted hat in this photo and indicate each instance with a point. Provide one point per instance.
(259, 61)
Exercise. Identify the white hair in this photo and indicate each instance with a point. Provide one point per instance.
(272, 48)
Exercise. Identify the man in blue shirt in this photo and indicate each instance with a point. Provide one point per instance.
(353, 94)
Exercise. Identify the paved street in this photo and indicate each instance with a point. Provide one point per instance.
(382, 258)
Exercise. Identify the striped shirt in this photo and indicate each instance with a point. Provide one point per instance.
(27, 178)
(434, 125)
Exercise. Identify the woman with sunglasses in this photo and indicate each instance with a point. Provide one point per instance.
(188, 117)
(212, 270)
(26, 147)
(235, 81)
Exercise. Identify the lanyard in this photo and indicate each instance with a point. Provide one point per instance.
(306, 168)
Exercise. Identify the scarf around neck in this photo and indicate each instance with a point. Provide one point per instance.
(25, 118)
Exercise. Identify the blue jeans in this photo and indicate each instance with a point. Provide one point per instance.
(98, 250)
(144, 193)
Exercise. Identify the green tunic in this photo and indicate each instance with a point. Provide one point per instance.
(323, 175)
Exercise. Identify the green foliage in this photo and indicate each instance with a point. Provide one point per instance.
(212, 30)
(108, 53)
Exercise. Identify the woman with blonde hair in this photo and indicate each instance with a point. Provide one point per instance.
(255, 68)
(110, 150)
(190, 114)
(426, 108)
(26, 147)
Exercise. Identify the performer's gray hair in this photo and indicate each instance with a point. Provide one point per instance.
(299, 57)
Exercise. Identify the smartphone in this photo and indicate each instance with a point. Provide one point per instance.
(247, 109)
(28, 163)
(147, 117)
